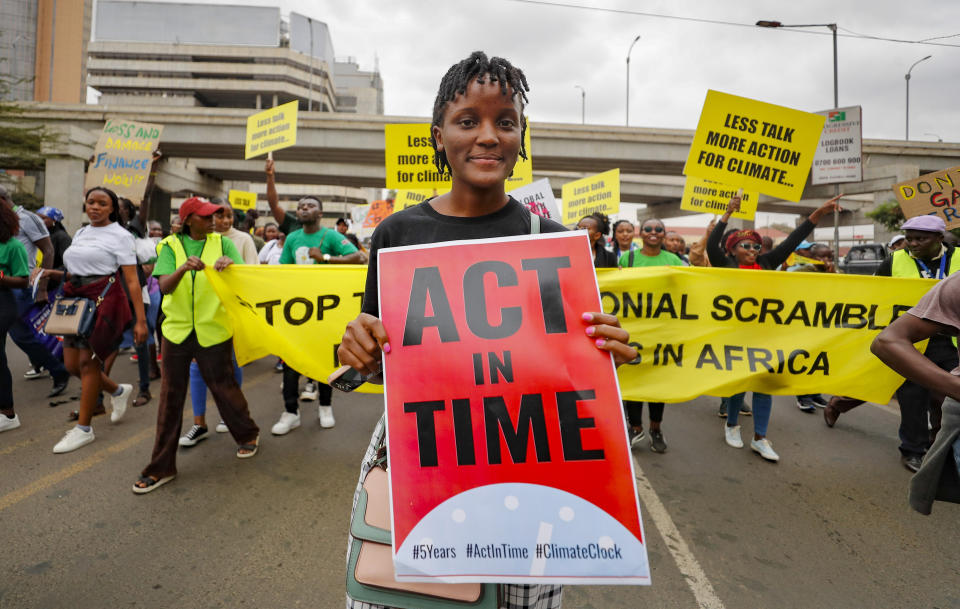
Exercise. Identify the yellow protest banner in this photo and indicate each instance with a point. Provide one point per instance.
(600, 192)
(409, 198)
(749, 144)
(718, 332)
(291, 311)
(409, 160)
(712, 197)
(241, 199)
(271, 130)
(936, 193)
(699, 331)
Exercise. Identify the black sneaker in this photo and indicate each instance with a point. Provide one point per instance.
(196, 433)
(636, 436)
(657, 444)
(806, 405)
(818, 401)
(722, 413)
(746, 410)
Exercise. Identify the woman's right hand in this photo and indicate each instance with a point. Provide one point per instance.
(363, 345)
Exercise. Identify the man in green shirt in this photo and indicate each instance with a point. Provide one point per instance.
(312, 244)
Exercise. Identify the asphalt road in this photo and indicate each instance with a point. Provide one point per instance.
(829, 526)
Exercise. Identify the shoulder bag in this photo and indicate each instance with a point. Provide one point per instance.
(75, 316)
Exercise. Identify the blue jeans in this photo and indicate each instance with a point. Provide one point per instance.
(762, 405)
(24, 338)
(198, 389)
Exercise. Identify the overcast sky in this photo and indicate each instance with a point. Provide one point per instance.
(675, 61)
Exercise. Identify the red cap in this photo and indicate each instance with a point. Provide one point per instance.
(199, 206)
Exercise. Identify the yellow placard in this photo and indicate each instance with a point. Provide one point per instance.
(409, 198)
(241, 199)
(699, 331)
(712, 198)
(271, 130)
(936, 193)
(409, 160)
(749, 144)
(600, 192)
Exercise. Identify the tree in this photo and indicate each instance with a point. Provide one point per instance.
(887, 214)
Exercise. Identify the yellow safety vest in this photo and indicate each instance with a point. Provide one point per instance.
(193, 305)
(905, 266)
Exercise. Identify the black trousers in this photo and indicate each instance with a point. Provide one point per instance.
(291, 390)
(918, 405)
(635, 412)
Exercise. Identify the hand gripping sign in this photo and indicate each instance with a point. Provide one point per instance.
(507, 442)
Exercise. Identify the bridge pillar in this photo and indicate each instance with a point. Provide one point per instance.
(63, 188)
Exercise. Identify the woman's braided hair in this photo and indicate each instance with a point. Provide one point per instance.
(455, 82)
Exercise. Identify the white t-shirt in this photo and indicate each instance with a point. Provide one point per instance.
(100, 250)
(270, 254)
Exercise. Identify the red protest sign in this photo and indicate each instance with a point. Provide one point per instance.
(507, 443)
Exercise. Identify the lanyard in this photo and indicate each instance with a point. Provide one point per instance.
(926, 271)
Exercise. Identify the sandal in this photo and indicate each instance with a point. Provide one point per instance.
(143, 398)
(75, 414)
(150, 484)
(251, 449)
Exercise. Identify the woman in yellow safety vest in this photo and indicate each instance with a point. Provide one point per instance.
(196, 326)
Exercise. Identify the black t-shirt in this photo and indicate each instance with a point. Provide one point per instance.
(422, 224)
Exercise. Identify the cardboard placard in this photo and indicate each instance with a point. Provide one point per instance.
(712, 198)
(409, 160)
(272, 129)
(599, 192)
(936, 193)
(502, 415)
(838, 156)
(123, 157)
(242, 200)
(749, 144)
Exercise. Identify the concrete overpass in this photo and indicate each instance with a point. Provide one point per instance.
(204, 155)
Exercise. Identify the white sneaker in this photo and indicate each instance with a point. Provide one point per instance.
(325, 413)
(74, 439)
(36, 373)
(764, 449)
(8, 424)
(222, 427)
(733, 436)
(287, 423)
(119, 402)
(309, 392)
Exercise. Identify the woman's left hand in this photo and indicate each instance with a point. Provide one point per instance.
(140, 332)
(607, 334)
(222, 263)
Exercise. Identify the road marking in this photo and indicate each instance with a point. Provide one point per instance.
(691, 570)
(41, 484)
(14, 497)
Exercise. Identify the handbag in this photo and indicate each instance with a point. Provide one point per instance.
(74, 316)
(370, 574)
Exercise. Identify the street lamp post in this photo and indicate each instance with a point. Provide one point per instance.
(583, 104)
(836, 103)
(630, 50)
(907, 78)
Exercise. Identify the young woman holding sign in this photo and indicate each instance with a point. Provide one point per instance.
(743, 251)
(477, 133)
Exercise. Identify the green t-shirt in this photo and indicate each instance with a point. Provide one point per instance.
(329, 241)
(13, 258)
(167, 262)
(664, 258)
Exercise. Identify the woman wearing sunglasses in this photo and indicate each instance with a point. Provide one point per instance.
(652, 233)
(743, 252)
